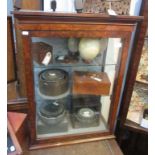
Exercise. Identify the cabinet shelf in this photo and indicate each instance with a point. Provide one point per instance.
(72, 131)
(142, 82)
(71, 65)
(53, 97)
(135, 127)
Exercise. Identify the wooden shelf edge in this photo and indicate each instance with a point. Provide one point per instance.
(141, 82)
(17, 101)
(88, 15)
(135, 127)
(19, 104)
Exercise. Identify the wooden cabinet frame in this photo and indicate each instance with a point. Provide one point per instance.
(140, 34)
(39, 24)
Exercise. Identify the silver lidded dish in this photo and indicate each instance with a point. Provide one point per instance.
(52, 112)
(86, 115)
(53, 82)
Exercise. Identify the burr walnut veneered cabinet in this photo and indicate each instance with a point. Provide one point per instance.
(74, 69)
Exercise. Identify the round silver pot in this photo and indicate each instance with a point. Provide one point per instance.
(53, 82)
(52, 113)
(52, 120)
(86, 115)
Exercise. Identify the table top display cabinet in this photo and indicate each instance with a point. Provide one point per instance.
(74, 69)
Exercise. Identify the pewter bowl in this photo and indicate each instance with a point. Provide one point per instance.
(86, 115)
(52, 113)
(53, 82)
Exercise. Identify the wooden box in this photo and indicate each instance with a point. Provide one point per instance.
(92, 83)
(40, 50)
(17, 130)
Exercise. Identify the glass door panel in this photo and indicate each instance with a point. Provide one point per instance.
(74, 81)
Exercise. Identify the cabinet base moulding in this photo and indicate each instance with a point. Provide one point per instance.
(71, 142)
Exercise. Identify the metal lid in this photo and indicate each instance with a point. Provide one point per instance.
(52, 75)
(86, 113)
(52, 109)
(86, 116)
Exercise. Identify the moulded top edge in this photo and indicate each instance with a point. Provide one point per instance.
(76, 16)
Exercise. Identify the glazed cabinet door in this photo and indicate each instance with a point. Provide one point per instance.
(74, 70)
(73, 82)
